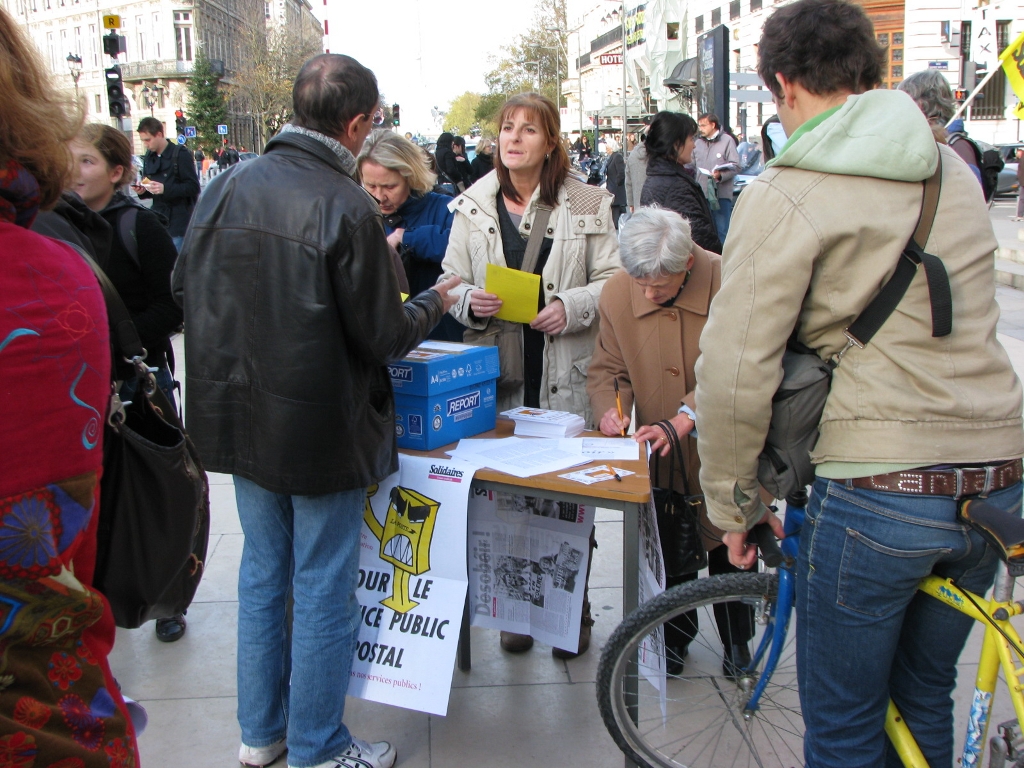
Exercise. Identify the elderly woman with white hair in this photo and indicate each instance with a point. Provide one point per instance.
(652, 314)
(417, 221)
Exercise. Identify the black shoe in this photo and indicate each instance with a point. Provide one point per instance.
(675, 659)
(170, 630)
(737, 658)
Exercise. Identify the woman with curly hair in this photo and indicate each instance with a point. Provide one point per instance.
(58, 700)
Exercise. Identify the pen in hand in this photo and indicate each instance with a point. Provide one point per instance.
(618, 406)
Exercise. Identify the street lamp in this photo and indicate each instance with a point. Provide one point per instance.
(75, 67)
(149, 98)
(537, 65)
(558, 80)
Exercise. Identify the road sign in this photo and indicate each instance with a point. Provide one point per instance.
(190, 131)
(112, 22)
(222, 130)
(181, 139)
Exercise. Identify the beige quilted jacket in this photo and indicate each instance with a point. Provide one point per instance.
(584, 254)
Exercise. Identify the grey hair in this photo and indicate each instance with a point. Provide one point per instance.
(930, 89)
(396, 153)
(655, 242)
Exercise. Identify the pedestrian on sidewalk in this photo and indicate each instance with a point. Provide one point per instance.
(292, 313)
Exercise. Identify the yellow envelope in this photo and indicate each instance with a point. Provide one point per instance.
(518, 291)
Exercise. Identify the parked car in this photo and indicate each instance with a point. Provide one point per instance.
(751, 166)
(247, 156)
(1008, 176)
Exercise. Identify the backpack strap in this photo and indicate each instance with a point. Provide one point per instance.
(871, 319)
(126, 222)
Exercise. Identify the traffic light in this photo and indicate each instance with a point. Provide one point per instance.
(960, 94)
(115, 92)
(179, 122)
(395, 116)
(970, 76)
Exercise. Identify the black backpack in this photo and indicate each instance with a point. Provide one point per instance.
(989, 162)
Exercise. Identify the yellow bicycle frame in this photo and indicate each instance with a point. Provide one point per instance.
(995, 653)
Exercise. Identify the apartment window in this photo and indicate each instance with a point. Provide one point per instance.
(51, 48)
(266, 10)
(716, 17)
(32, 4)
(63, 45)
(94, 47)
(140, 39)
(734, 9)
(46, 5)
(99, 106)
(672, 30)
(698, 24)
(156, 33)
(736, 59)
(183, 35)
(78, 40)
(755, 5)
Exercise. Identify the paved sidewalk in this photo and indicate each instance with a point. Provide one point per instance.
(525, 711)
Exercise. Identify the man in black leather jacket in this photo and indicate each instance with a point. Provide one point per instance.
(292, 313)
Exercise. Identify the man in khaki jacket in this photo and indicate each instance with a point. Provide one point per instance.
(910, 420)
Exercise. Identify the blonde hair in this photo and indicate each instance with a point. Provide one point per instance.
(396, 153)
(113, 146)
(36, 120)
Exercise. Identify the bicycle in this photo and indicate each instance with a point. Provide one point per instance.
(715, 714)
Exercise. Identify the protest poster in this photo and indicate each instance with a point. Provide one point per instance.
(412, 585)
(528, 565)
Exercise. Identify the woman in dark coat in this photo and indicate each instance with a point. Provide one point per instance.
(670, 184)
(483, 163)
(447, 165)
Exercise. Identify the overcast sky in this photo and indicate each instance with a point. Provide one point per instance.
(423, 55)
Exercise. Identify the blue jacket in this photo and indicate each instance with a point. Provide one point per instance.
(428, 224)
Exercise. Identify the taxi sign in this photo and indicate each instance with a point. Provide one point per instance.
(112, 22)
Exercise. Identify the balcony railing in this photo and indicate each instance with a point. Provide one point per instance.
(138, 70)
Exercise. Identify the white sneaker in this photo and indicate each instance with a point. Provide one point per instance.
(258, 757)
(363, 754)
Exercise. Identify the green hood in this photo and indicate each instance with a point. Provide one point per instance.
(881, 134)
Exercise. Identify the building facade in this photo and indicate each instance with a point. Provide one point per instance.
(162, 39)
(946, 35)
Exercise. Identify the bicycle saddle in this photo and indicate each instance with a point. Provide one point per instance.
(1003, 531)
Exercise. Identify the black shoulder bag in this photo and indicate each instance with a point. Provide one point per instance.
(785, 465)
(154, 523)
(679, 514)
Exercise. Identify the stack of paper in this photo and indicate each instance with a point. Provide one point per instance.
(514, 456)
(538, 422)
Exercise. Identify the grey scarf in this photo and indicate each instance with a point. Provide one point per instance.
(348, 161)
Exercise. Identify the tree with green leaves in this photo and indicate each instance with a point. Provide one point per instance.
(206, 105)
(461, 117)
(534, 61)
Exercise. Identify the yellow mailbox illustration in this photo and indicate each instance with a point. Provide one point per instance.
(404, 539)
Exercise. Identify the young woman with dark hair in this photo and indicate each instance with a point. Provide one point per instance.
(671, 184)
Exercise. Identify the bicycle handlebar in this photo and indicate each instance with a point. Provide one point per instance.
(762, 535)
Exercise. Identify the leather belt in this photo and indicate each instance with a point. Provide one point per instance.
(956, 482)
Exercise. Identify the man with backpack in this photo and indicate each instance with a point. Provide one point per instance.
(168, 177)
(984, 164)
(921, 414)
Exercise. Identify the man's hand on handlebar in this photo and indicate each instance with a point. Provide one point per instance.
(743, 554)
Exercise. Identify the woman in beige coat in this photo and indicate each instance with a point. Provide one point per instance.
(652, 315)
(579, 252)
(543, 364)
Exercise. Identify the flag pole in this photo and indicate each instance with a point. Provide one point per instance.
(975, 92)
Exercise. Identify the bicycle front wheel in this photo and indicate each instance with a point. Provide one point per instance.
(703, 718)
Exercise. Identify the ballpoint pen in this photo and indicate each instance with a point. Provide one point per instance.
(618, 406)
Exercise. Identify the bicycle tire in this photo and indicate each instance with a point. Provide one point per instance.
(704, 722)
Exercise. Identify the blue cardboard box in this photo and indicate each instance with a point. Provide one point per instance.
(443, 393)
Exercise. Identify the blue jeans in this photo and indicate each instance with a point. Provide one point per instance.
(863, 632)
(722, 217)
(293, 675)
(177, 242)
